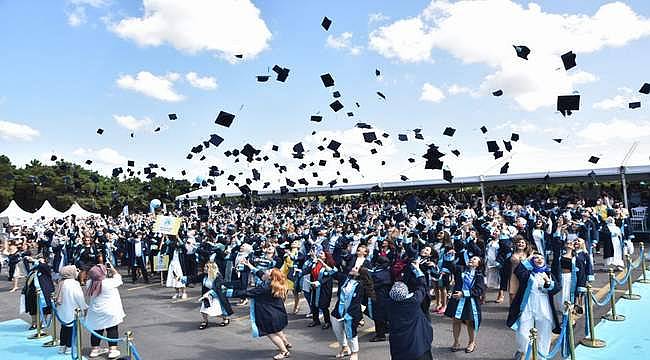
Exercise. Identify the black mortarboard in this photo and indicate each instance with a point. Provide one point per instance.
(433, 164)
(290, 182)
(130, 163)
(514, 137)
(363, 126)
(492, 146)
(634, 105)
(497, 93)
(403, 177)
(224, 119)
(235, 152)
(484, 129)
(377, 72)
(645, 89)
(446, 174)
(53, 158)
(378, 142)
(336, 106)
(262, 78)
(275, 148)
(321, 147)
(88, 162)
(369, 136)
(197, 149)
(568, 103)
(504, 168)
(132, 134)
(455, 152)
(239, 56)
(449, 131)
(322, 163)
(189, 156)
(381, 95)
(215, 139)
(314, 174)
(350, 114)
(497, 154)
(327, 79)
(411, 160)
(183, 172)
(336, 94)
(508, 145)
(100, 131)
(203, 158)
(249, 151)
(147, 170)
(402, 137)
(298, 148)
(326, 23)
(569, 60)
(419, 136)
(157, 129)
(303, 181)
(283, 73)
(232, 178)
(213, 188)
(373, 151)
(557, 140)
(522, 51)
(172, 116)
(594, 159)
(316, 118)
(334, 145)
(385, 135)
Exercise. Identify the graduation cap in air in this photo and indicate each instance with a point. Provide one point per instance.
(497, 93)
(381, 95)
(634, 105)
(508, 145)
(498, 154)
(189, 156)
(224, 119)
(514, 137)
(504, 168)
(321, 147)
(336, 94)
(363, 126)
(290, 182)
(88, 162)
(303, 181)
(316, 118)
(117, 172)
(419, 136)
(130, 163)
(449, 131)
(197, 149)
(327, 80)
(446, 174)
(275, 148)
(350, 114)
(403, 177)
(334, 145)
(298, 148)
(373, 151)
(594, 159)
(484, 129)
(336, 106)
(322, 163)
(568, 103)
(239, 56)
(522, 51)
(157, 129)
(402, 137)
(183, 172)
(569, 60)
(53, 158)
(411, 160)
(385, 135)
(147, 170)
(369, 136)
(172, 116)
(132, 134)
(326, 23)
(314, 174)
(249, 151)
(100, 131)
(203, 158)
(455, 152)
(378, 142)
(492, 146)
(263, 78)
(377, 72)
(558, 140)
(645, 89)
(215, 139)
(232, 178)
(283, 73)
(256, 175)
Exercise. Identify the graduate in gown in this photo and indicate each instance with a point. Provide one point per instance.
(410, 331)
(464, 305)
(533, 305)
(321, 274)
(267, 311)
(213, 301)
(39, 277)
(382, 283)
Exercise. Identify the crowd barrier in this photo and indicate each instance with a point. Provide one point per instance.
(77, 325)
(565, 344)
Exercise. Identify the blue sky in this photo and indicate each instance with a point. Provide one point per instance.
(70, 67)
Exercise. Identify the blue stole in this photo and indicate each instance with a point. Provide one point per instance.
(468, 283)
(345, 299)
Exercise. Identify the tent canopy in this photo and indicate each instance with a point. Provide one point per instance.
(16, 215)
(78, 211)
(48, 212)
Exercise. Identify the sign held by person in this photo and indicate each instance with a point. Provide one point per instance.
(167, 225)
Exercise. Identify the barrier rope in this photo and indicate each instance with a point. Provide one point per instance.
(134, 352)
(45, 323)
(95, 334)
(556, 348)
(608, 298)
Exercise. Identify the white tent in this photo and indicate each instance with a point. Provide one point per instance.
(79, 212)
(48, 212)
(16, 215)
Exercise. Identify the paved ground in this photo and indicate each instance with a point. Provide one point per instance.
(166, 329)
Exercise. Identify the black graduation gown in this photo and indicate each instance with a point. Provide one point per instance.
(44, 275)
(585, 271)
(130, 247)
(86, 257)
(523, 273)
(470, 302)
(321, 296)
(382, 283)
(215, 290)
(411, 277)
(503, 260)
(605, 237)
(410, 331)
(268, 314)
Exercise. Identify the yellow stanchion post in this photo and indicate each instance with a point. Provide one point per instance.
(55, 341)
(39, 329)
(572, 341)
(591, 341)
(613, 316)
(129, 339)
(630, 295)
(77, 323)
(643, 279)
(533, 340)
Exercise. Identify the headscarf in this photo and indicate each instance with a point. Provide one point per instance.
(66, 272)
(539, 269)
(400, 292)
(96, 274)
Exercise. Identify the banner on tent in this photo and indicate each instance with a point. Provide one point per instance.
(168, 225)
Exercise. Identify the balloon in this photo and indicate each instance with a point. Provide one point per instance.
(154, 204)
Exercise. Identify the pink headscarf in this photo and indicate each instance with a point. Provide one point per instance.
(97, 273)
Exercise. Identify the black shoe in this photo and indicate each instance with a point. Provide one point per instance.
(378, 339)
(33, 327)
(326, 326)
(203, 325)
(314, 324)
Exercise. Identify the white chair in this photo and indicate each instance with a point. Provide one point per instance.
(637, 220)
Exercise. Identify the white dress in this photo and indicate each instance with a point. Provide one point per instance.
(105, 309)
(492, 277)
(617, 244)
(72, 297)
(215, 306)
(175, 270)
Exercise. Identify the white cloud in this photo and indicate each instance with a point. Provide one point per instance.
(456, 89)
(77, 10)
(158, 87)
(615, 129)
(105, 156)
(226, 27)
(205, 83)
(14, 131)
(474, 31)
(343, 42)
(93, 3)
(620, 101)
(377, 17)
(431, 93)
(77, 16)
(131, 123)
